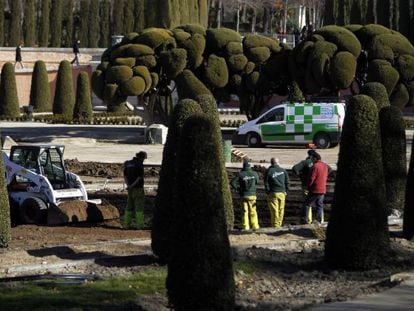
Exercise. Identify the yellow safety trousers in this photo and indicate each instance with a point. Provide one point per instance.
(250, 219)
(135, 204)
(276, 204)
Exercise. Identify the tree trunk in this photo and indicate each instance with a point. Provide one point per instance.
(219, 13)
(238, 17)
(253, 25)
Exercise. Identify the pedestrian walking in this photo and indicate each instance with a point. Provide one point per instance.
(134, 179)
(18, 57)
(276, 186)
(316, 185)
(76, 46)
(245, 183)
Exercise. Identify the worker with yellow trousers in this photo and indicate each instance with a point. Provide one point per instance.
(134, 178)
(276, 186)
(245, 183)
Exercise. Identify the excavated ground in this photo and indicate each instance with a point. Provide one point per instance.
(288, 273)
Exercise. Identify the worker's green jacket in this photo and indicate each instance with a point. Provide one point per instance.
(302, 169)
(245, 182)
(276, 179)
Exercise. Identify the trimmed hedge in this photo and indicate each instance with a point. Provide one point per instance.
(258, 55)
(124, 61)
(342, 38)
(193, 29)
(217, 39)
(83, 105)
(234, 48)
(64, 100)
(118, 74)
(5, 225)
(400, 96)
(39, 90)
(342, 69)
(147, 60)
(135, 50)
(133, 87)
(109, 92)
(206, 281)
(381, 71)
(377, 92)
(195, 48)
(164, 209)
(189, 86)
(156, 38)
(98, 83)
(405, 66)
(393, 156)
(9, 102)
(144, 73)
(237, 62)
(173, 62)
(250, 67)
(359, 197)
(254, 41)
(216, 72)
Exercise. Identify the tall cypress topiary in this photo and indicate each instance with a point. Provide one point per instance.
(2, 23)
(118, 17)
(105, 20)
(64, 100)
(15, 30)
(139, 14)
(164, 207)
(67, 32)
(29, 25)
(128, 16)
(93, 25)
(44, 23)
(408, 221)
(330, 12)
(83, 105)
(209, 107)
(5, 225)
(200, 269)
(9, 102)
(357, 234)
(84, 27)
(56, 23)
(40, 91)
(394, 156)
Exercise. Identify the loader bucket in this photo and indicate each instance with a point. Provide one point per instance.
(81, 211)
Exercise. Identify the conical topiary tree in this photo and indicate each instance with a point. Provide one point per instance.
(83, 105)
(64, 100)
(164, 207)
(408, 221)
(377, 92)
(394, 156)
(357, 234)
(5, 225)
(9, 102)
(40, 91)
(209, 106)
(200, 272)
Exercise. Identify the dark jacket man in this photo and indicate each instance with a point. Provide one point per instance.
(277, 179)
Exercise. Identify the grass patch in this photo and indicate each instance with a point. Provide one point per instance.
(98, 294)
(252, 266)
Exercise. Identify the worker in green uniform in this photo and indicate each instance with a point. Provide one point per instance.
(245, 183)
(276, 185)
(302, 170)
(134, 179)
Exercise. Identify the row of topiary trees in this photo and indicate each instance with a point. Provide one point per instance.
(64, 104)
(221, 62)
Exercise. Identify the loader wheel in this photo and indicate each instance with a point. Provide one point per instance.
(33, 211)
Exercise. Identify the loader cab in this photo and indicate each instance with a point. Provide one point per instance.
(44, 160)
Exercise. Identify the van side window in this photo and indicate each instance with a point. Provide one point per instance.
(273, 116)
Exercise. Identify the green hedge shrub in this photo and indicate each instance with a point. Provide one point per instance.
(133, 87)
(5, 225)
(302, 51)
(400, 96)
(173, 62)
(147, 60)
(237, 62)
(250, 67)
(156, 38)
(405, 66)
(193, 29)
(164, 209)
(9, 102)
(342, 38)
(258, 55)
(368, 32)
(377, 92)
(136, 50)
(124, 61)
(118, 74)
(195, 48)
(216, 72)
(234, 48)
(40, 90)
(410, 89)
(98, 83)
(360, 173)
(206, 281)
(381, 71)
(393, 156)
(320, 67)
(64, 100)
(189, 86)
(83, 104)
(390, 46)
(323, 47)
(254, 41)
(342, 69)
(109, 92)
(103, 66)
(155, 79)
(144, 73)
(217, 39)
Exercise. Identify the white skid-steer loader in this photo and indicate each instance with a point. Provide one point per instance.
(42, 191)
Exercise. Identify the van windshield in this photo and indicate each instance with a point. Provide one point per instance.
(273, 116)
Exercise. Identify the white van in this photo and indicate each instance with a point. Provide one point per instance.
(295, 123)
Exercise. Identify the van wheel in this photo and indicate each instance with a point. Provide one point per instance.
(33, 211)
(253, 140)
(322, 140)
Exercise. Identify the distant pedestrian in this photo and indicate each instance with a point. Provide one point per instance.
(134, 178)
(276, 186)
(316, 185)
(245, 183)
(76, 51)
(19, 56)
